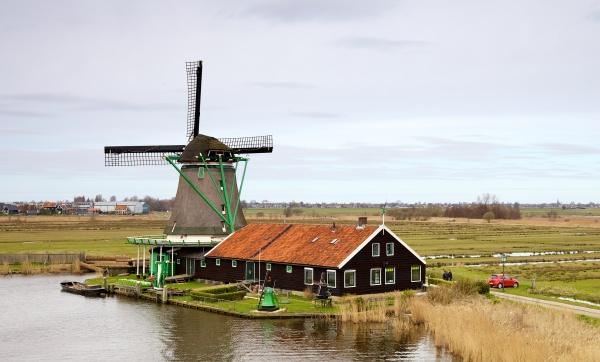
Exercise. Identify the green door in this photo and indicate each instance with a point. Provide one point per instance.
(249, 270)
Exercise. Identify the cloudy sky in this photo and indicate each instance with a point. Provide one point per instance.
(366, 101)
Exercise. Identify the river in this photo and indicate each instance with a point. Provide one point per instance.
(39, 322)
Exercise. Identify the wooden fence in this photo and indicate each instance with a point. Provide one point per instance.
(42, 258)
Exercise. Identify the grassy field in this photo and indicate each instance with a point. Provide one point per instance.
(579, 280)
(532, 212)
(105, 235)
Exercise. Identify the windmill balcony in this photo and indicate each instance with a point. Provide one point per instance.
(174, 240)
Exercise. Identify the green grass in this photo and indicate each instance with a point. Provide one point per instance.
(540, 212)
(296, 305)
(579, 280)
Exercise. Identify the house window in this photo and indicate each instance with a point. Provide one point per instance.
(308, 276)
(178, 261)
(268, 266)
(375, 249)
(389, 249)
(415, 273)
(390, 275)
(331, 274)
(234, 263)
(218, 262)
(349, 278)
(376, 276)
(288, 268)
(203, 263)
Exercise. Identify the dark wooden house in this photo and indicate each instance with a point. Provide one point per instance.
(348, 259)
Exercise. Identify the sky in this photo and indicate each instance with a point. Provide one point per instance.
(385, 100)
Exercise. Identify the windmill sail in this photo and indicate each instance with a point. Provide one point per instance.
(155, 155)
(194, 81)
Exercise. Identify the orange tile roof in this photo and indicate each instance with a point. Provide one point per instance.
(302, 244)
(49, 204)
(121, 208)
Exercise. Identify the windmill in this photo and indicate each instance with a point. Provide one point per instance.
(207, 203)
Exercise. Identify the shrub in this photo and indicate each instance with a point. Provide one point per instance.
(210, 297)
(308, 293)
(482, 287)
(220, 289)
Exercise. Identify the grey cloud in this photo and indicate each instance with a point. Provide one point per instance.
(17, 131)
(282, 84)
(316, 114)
(568, 149)
(83, 103)
(21, 113)
(316, 10)
(381, 44)
(594, 16)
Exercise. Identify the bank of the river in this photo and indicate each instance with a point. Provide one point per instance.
(42, 323)
(292, 305)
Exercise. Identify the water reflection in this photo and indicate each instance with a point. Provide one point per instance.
(46, 324)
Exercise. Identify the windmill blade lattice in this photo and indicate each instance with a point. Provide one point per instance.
(194, 82)
(140, 155)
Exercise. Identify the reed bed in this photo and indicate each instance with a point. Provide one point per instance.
(5, 268)
(480, 330)
(376, 309)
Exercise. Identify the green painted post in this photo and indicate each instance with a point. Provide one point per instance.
(237, 204)
(226, 195)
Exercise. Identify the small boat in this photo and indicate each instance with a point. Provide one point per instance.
(83, 289)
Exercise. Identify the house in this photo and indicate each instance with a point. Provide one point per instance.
(49, 207)
(122, 210)
(9, 209)
(349, 259)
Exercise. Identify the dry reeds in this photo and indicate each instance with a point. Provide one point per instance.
(479, 330)
(76, 267)
(359, 310)
(5, 269)
(26, 268)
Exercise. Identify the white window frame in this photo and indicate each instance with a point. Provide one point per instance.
(371, 276)
(218, 262)
(373, 249)
(234, 263)
(312, 276)
(289, 269)
(268, 266)
(334, 278)
(411, 273)
(202, 263)
(385, 275)
(386, 249)
(353, 272)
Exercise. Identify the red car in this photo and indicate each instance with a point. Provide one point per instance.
(503, 280)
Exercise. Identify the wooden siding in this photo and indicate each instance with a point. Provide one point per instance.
(362, 262)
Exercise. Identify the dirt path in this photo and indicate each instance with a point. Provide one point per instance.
(590, 312)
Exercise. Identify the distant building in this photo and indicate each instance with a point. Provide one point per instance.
(9, 209)
(122, 207)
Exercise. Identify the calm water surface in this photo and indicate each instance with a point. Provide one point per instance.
(39, 322)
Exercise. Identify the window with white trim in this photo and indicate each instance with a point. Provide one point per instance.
(288, 268)
(376, 276)
(308, 276)
(203, 263)
(390, 275)
(375, 249)
(218, 262)
(268, 266)
(234, 263)
(415, 273)
(389, 249)
(331, 276)
(349, 278)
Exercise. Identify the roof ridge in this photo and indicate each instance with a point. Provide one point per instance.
(272, 240)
